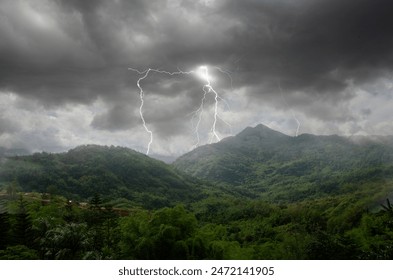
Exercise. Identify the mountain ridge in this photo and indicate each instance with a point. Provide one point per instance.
(273, 163)
(257, 162)
(114, 172)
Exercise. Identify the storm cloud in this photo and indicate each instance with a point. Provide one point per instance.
(327, 63)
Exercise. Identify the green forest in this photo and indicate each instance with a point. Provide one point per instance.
(258, 195)
(37, 227)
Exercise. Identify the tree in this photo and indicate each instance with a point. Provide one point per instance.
(66, 242)
(12, 189)
(4, 230)
(388, 208)
(95, 202)
(22, 230)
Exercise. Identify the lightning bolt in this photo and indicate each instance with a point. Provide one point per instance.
(207, 88)
(145, 73)
(141, 95)
(292, 113)
(198, 114)
(229, 74)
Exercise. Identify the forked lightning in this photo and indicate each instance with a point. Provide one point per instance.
(203, 72)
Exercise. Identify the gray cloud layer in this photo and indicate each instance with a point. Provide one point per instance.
(78, 52)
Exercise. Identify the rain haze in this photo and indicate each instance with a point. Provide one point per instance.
(306, 66)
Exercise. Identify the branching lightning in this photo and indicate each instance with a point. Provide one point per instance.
(292, 113)
(207, 88)
(226, 72)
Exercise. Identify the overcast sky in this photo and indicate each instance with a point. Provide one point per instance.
(312, 66)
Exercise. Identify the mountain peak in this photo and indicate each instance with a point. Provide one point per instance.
(272, 162)
(260, 131)
(262, 126)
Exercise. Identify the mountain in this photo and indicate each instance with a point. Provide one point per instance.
(113, 172)
(284, 168)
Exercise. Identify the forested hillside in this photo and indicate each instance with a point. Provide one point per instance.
(280, 168)
(113, 172)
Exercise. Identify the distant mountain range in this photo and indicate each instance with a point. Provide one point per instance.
(285, 168)
(257, 163)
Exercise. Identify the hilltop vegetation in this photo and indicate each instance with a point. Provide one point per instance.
(113, 172)
(280, 168)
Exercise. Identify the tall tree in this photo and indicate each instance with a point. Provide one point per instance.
(12, 189)
(22, 230)
(4, 230)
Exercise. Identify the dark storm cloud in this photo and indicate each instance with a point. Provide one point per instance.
(315, 45)
(76, 51)
(118, 117)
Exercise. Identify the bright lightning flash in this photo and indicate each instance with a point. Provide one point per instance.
(206, 89)
(203, 73)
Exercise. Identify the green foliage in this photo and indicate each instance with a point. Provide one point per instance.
(66, 242)
(18, 252)
(326, 228)
(113, 172)
(278, 168)
(4, 230)
(166, 235)
(388, 208)
(22, 229)
(12, 189)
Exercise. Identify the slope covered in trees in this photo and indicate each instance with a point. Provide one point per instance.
(113, 172)
(278, 167)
